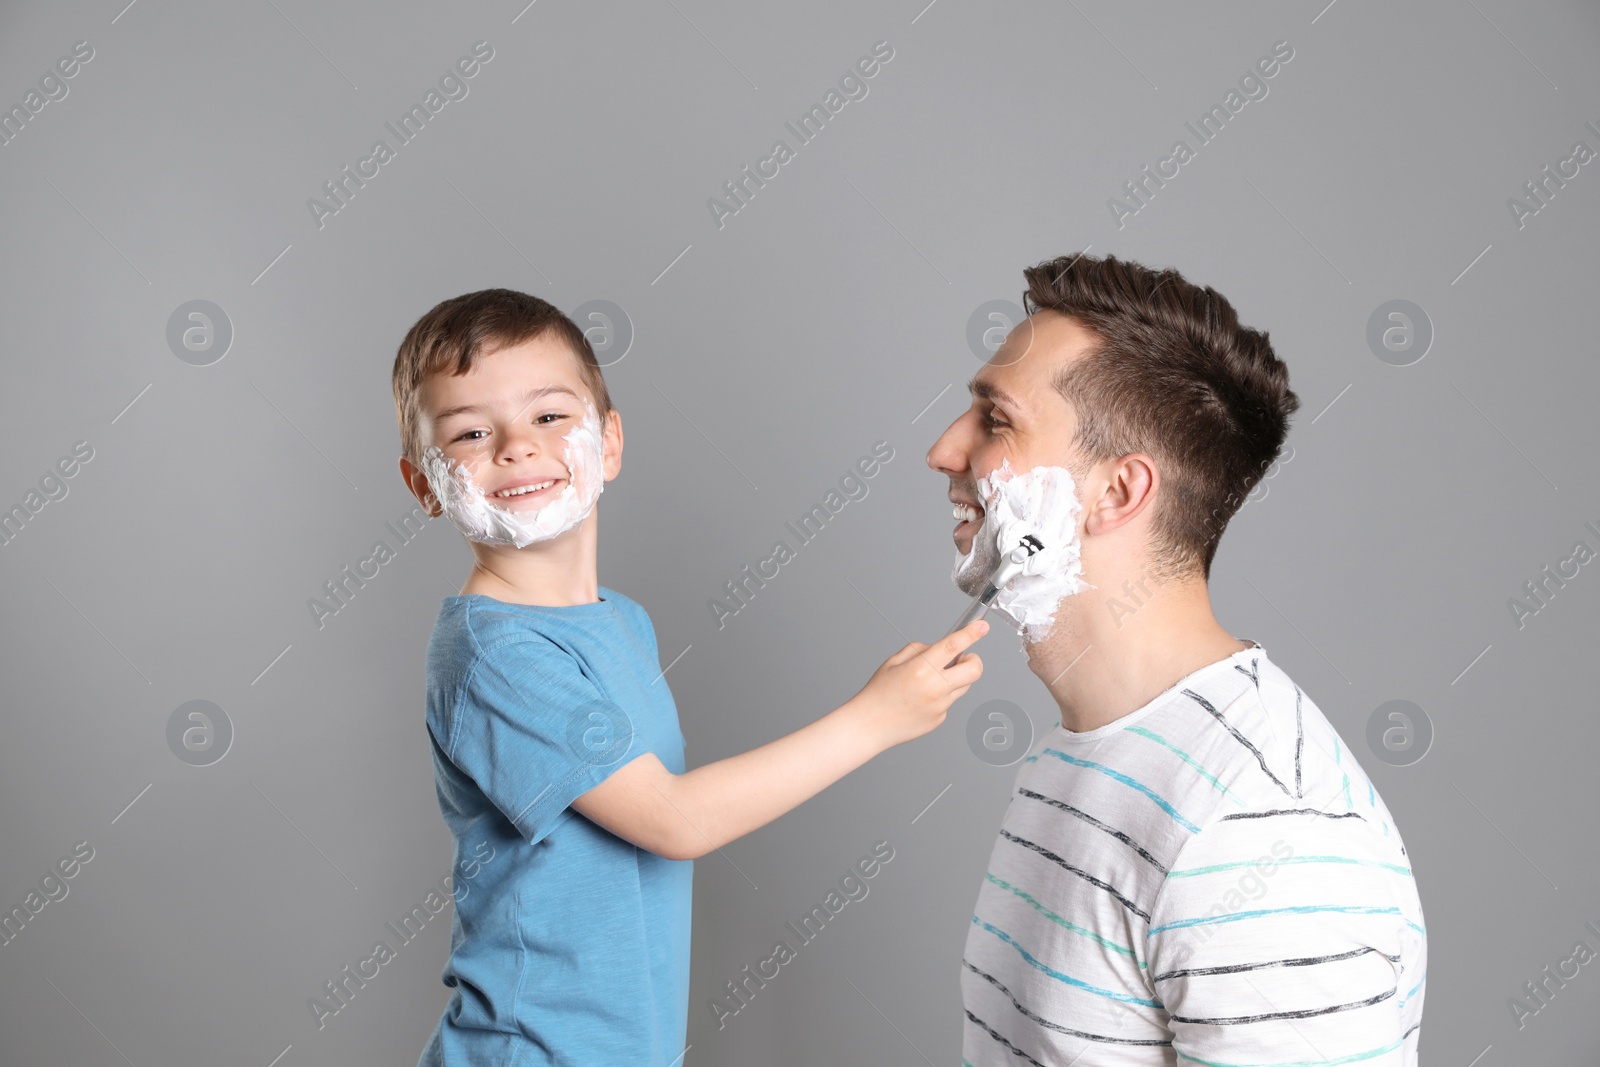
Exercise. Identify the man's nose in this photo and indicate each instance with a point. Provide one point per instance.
(947, 455)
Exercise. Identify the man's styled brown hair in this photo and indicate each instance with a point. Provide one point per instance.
(1176, 377)
(448, 339)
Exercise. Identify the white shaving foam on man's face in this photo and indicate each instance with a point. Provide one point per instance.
(484, 521)
(1042, 501)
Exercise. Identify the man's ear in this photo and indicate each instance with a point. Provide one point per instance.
(1131, 485)
(611, 444)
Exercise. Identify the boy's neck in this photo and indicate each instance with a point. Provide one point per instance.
(559, 573)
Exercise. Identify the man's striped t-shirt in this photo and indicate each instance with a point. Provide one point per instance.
(1211, 879)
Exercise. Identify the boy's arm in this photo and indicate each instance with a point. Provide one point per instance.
(686, 816)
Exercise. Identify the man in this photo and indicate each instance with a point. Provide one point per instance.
(1193, 868)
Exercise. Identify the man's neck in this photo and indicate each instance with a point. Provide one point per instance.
(1105, 657)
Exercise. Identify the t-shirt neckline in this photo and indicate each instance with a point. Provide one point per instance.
(598, 607)
(1130, 719)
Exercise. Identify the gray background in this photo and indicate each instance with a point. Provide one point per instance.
(769, 355)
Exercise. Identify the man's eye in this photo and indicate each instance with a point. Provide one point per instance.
(990, 420)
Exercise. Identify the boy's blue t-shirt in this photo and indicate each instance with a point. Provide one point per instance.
(569, 946)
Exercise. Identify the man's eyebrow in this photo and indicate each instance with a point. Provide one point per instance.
(985, 390)
(528, 398)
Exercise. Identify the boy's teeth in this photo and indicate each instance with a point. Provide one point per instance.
(521, 489)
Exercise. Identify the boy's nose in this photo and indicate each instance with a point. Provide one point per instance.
(518, 442)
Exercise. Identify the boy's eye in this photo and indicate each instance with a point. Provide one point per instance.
(537, 421)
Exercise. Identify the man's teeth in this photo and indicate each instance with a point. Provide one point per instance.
(521, 489)
(966, 513)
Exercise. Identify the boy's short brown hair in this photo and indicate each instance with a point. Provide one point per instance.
(448, 339)
(1175, 376)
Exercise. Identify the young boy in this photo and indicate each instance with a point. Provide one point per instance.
(546, 696)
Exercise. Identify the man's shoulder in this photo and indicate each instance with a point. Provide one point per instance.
(1151, 781)
(1228, 739)
(1283, 772)
(1315, 765)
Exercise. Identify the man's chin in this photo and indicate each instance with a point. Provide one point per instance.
(971, 580)
(972, 585)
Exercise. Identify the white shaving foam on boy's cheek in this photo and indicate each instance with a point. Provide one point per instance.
(481, 520)
(1042, 501)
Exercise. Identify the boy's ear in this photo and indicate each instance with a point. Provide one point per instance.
(417, 483)
(611, 444)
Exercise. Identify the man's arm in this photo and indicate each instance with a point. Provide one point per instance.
(686, 816)
(1287, 938)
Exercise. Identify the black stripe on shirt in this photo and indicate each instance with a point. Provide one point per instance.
(992, 1032)
(1254, 673)
(1303, 961)
(1092, 821)
(1057, 1027)
(1293, 811)
(1299, 743)
(1304, 1013)
(1085, 875)
(1241, 738)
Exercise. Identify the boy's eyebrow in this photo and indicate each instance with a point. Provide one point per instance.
(528, 398)
(985, 390)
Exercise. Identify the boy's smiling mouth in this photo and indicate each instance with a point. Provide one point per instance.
(523, 489)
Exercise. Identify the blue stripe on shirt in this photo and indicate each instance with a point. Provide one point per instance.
(1302, 909)
(1067, 978)
(1130, 783)
(1053, 917)
(1207, 775)
(1190, 871)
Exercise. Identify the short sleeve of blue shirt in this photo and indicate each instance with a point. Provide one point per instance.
(533, 731)
(569, 945)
